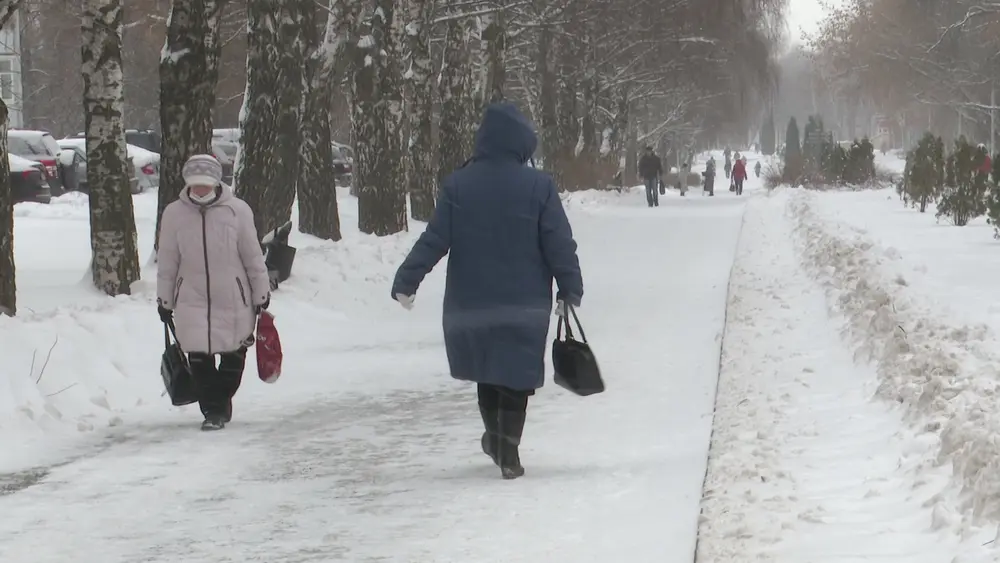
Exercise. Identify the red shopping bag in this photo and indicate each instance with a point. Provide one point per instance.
(268, 349)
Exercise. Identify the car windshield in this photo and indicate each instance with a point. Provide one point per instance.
(338, 154)
(23, 145)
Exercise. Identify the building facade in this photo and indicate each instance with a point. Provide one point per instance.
(11, 90)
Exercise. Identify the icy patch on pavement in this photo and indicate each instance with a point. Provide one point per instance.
(803, 466)
(944, 376)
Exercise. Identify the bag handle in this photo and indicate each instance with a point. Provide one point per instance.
(170, 330)
(564, 322)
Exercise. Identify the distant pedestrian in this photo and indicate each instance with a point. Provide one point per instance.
(651, 171)
(710, 176)
(739, 175)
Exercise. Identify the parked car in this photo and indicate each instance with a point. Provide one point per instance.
(343, 165)
(144, 138)
(136, 165)
(146, 165)
(28, 180)
(228, 162)
(79, 160)
(40, 147)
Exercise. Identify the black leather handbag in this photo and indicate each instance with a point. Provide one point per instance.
(175, 370)
(576, 368)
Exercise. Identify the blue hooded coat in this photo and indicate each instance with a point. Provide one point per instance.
(508, 238)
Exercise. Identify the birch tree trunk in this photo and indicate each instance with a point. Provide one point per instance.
(113, 236)
(8, 286)
(452, 86)
(271, 118)
(318, 212)
(189, 74)
(376, 114)
(420, 150)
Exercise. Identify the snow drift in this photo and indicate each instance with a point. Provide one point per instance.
(77, 363)
(945, 377)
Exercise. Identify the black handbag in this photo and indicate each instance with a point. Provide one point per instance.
(663, 187)
(176, 371)
(576, 368)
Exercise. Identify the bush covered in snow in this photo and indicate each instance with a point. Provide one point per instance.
(964, 196)
(923, 176)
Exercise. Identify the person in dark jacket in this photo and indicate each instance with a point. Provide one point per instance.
(651, 169)
(709, 175)
(507, 235)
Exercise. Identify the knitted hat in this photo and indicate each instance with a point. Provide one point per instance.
(202, 170)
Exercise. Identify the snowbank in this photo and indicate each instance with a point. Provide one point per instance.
(944, 375)
(803, 465)
(77, 362)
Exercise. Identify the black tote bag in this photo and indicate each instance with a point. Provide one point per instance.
(576, 368)
(176, 371)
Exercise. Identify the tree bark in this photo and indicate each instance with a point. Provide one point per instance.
(452, 91)
(267, 167)
(420, 152)
(493, 52)
(115, 264)
(189, 75)
(319, 215)
(8, 287)
(376, 115)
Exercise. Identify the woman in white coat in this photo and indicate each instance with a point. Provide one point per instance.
(211, 282)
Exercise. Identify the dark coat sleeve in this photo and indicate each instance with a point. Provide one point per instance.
(429, 249)
(558, 246)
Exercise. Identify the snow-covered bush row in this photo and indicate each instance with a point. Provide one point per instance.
(945, 377)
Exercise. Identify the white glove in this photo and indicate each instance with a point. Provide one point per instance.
(405, 300)
(561, 309)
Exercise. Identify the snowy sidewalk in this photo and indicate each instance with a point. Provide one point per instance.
(367, 451)
(805, 466)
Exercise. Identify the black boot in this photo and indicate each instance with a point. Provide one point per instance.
(213, 422)
(511, 428)
(491, 437)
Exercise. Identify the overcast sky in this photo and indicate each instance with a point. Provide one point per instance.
(803, 15)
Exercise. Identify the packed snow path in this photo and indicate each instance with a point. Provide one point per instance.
(367, 451)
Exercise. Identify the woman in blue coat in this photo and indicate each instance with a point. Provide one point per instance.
(507, 236)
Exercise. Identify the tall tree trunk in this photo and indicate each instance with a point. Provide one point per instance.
(547, 96)
(376, 115)
(8, 286)
(318, 212)
(452, 91)
(189, 74)
(113, 236)
(420, 150)
(493, 54)
(567, 122)
(268, 165)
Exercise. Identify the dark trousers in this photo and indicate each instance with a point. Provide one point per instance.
(652, 193)
(739, 186)
(710, 184)
(218, 385)
(496, 398)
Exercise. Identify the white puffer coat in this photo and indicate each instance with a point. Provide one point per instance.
(211, 272)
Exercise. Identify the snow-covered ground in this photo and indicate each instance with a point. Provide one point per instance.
(805, 465)
(365, 450)
(855, 418)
